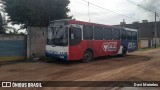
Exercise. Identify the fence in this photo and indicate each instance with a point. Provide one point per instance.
(12, 47)
(148, 43)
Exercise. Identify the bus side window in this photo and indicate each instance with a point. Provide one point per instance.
(75, 33)
(134, 35)
(116, 34)
(123, 35)
(88, 33)
(129, 35)
(98, 33)
(107, 34)
(75, 36)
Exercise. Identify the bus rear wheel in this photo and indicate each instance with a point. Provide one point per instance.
(87, 57)
(124, 52)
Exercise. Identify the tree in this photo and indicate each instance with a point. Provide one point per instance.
(36, 12)
(1, 24)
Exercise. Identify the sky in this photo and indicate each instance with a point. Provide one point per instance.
(123, 9)
(115, 11)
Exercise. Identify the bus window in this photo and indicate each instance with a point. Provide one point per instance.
(129, 35)
(134, 35)
(75, 33)
(75, 36)
(98, 33)
(123, 34)
(107, 34)
(88, 33)
(116, 34)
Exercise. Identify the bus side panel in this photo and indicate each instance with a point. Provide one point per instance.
(106, 47)
(136, 42)
(130, 45)
(99, 47)
(124, 43)
(76, 52)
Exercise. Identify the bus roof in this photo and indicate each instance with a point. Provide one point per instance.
(129, 29)
(71, 21)
(88, 23)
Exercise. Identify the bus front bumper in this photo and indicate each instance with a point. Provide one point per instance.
(57, 56)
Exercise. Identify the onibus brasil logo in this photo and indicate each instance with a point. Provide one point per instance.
(109, 46)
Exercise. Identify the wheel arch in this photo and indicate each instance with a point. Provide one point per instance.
(91, 50)
(91, 55)
(125, 48)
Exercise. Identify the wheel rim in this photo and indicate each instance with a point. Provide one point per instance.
(124, 52)
(87, 56)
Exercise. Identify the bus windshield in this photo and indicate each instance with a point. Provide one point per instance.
(57, 35)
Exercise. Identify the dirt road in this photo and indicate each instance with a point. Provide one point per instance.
(137, 66)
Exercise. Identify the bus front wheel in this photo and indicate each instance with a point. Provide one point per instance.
(48, 60)
(88, 56)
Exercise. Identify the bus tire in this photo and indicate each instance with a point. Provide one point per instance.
(124, 52)
(48, 60)
(87, 57)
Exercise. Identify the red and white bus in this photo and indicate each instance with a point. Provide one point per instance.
(77, 40)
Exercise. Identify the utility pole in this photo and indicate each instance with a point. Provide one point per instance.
(123, 22)
(88, 11)
(155, 31)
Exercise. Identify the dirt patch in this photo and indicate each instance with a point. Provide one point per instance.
(137, 66)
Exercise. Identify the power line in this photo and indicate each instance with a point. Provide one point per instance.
(82, 7)
(84, 15)
(109, 10)
(89, 4)
(86, 6)
(140, 6)
(156, 15)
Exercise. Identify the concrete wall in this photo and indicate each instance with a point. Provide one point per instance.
(157, 41)
(144, 43)
(12, 47)
(147, 43)
(36, 41)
